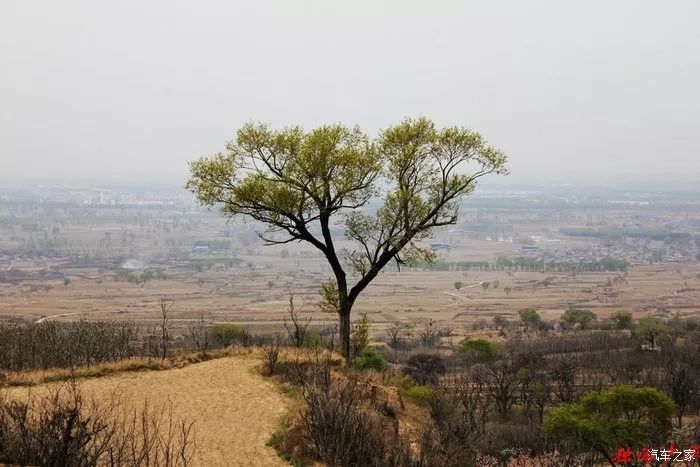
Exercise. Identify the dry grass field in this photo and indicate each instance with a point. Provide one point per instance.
(258, 298)
(233, 408)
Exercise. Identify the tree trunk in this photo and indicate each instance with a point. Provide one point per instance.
(344, 315)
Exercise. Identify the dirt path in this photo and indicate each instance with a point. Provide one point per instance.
(234, 409)
(60, 315)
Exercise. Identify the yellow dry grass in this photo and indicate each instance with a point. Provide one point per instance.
(234, 409)
(50, 375)
(35, 377)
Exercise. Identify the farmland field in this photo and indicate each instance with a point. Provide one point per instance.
(259, 301)
(66, 260)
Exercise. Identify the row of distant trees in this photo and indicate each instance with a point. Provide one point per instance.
(525, 264)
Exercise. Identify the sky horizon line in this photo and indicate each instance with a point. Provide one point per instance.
(628, 180)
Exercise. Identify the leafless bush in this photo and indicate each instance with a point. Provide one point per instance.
(165, 304)
(271, 353)
(394, 333)
(503, 379)
(343, 423)
(296, 326)
(682, 375)
(563, 373)
(425, 368)
(343, 434)
(481, 324)
(62, 345)
(62, 428)
(584, 341)
(200, 334)
(428, 334)
(515, 436)
(459, 414)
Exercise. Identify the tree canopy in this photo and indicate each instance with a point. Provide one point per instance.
(482, 349)
(530, 317)
(650, 328)
(621, 416)
(577, 318)
(303, 184)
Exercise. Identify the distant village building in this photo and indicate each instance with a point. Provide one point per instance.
(529, 250)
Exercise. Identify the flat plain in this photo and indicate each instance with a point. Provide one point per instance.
(260, 300)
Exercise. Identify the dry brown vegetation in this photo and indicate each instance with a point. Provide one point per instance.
(134, 364)
(232, 408)
(462, 408)
(412, 296)
(61, 427)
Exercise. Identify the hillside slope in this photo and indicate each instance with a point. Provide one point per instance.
(234, 409)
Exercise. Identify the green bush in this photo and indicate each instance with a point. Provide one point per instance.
(530, 317)
(226, 334)
(420, 394)
(359, 337)
(622, 319)
(398, 380)
(575, 318)
(133, 278)
(370, 358)
(313, 338)
(622, 415)
(482, 349)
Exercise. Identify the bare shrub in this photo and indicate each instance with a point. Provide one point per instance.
(563, 373)
(503, 379)
(296, 326)
(63, 345)
(342, 433)
(394, 333)
(514, 436)
(428, 334)
(271, 353)
(459, 413)
(425, 368)
(344, 424)
(200, 334)
(682, 374)
(62, 428)
(165, 304)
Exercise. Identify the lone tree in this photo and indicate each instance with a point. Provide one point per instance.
(302, 185)
(577, 318)
(530, 318)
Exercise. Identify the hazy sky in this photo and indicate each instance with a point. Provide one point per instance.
(598, 89)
